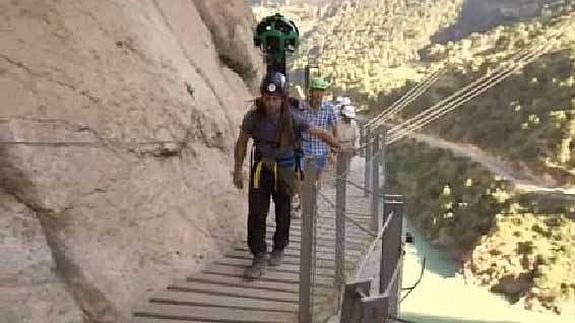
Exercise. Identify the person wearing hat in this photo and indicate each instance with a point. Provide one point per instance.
(348, 133)
(274, 129)
(339, 103)
(319, 113)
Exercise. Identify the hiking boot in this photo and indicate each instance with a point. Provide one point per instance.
(258, 267)
(276, 257)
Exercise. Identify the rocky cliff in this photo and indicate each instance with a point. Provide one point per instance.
(116, 131)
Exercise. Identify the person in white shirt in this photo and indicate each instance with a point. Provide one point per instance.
(348, 132)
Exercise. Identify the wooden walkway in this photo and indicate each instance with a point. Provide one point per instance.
(219, 293)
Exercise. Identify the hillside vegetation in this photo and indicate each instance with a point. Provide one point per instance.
(519, 245)
(527, 119)
(364, 46)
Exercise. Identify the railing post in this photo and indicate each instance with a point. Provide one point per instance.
(397, 238)
(382, 158)
(340, 191)
(374, 196)
(362, 140)
(351, 307)
(391, 254)
(367, 168)
(375, 309)
(385, 265)
(308, 214)
(382, 171)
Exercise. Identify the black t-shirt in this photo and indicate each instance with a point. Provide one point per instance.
(264, 132)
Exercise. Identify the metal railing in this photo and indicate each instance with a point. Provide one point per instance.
(309, 213)
(365, 300)
(382, 234)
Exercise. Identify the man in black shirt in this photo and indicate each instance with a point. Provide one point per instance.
(275, 130)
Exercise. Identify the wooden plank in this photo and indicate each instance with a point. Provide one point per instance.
(324, 254)
(323, 260)
(241, 282)
(353, 244)
(351, 230)
(330, 238)
(356, 212)
(294, 247)
(358, 218)
(211, 314)
(321, 227)
(324, 225)
(328, 272)
(244, 254)
(320, 264)
(236, 302)
(362, 221)
(327, 234)
(352, 197)
(357, 204)
(215, 289)
(272, 276)
(328, 218)
(295, 242)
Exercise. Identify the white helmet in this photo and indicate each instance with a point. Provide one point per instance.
(344, 100)
(348, 111)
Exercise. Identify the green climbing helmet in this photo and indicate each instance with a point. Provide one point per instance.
(319, 84)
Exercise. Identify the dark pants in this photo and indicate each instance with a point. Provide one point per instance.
(259, 204)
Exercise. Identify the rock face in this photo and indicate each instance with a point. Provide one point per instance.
(117, 122)
(30, 291)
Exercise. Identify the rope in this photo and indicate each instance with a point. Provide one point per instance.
(405, 100)
(54, 143)
(484, 79)
(436, 111)
(373, 245)
(95, 144)
(393, 278)
(81, 128)
(460, 97)
(363, 188)
(359, 226)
